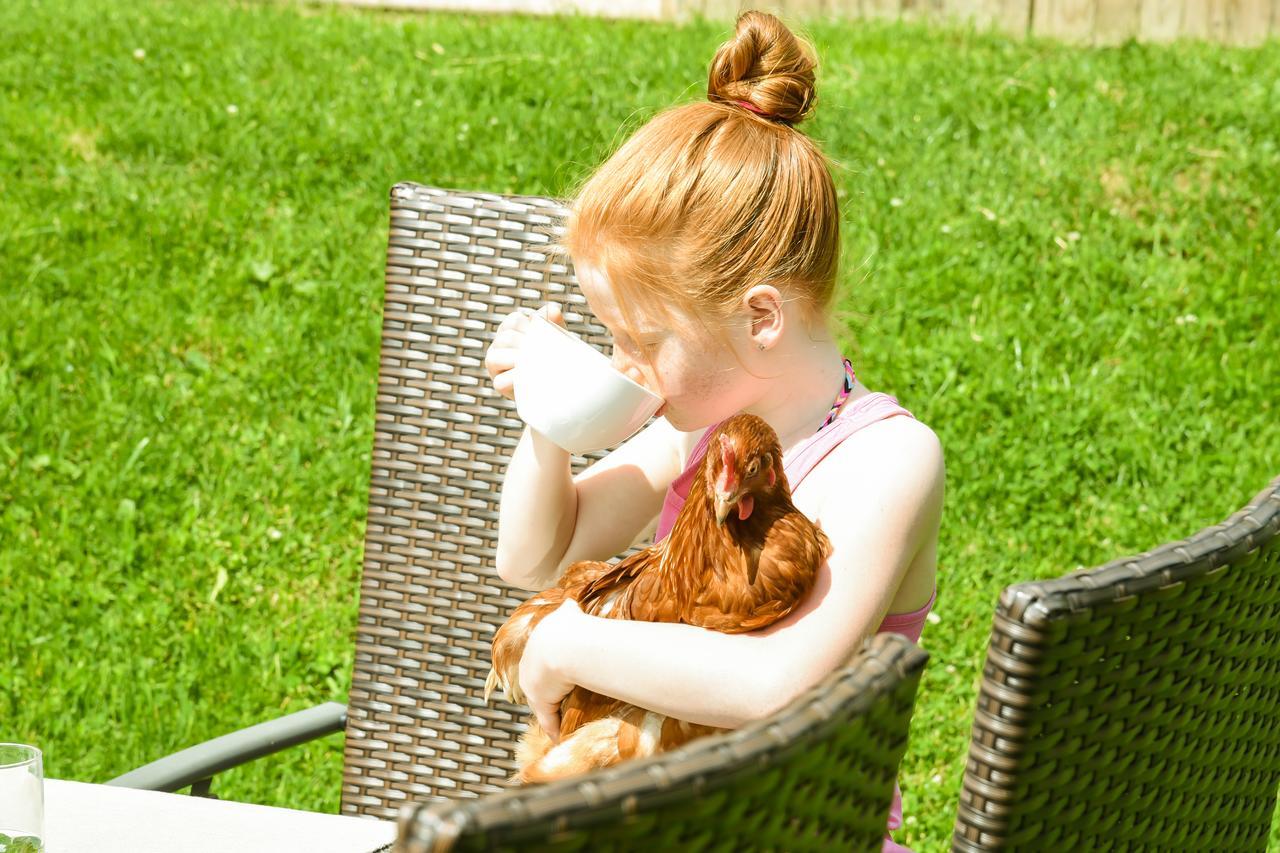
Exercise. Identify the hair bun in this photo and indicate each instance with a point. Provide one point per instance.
(767, 65)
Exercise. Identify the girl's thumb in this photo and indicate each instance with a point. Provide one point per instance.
(552, 313)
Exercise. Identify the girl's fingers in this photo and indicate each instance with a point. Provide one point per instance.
(549, 719)
(508, 337)
(505, 385)
(518, 319)
(500, 357)
(513, 322)
(552, 312)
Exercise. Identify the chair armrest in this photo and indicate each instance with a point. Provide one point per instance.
(817, 774)
(202, 761)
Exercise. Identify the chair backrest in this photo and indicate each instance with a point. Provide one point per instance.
(430, 600)
(1135, 703)
(816, 775)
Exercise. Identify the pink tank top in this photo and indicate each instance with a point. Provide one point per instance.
(797, 464)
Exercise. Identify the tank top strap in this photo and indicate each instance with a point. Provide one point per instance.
(797, 464)
(864, 411)
(701, 446)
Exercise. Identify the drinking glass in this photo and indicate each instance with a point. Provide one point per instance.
(21, 799)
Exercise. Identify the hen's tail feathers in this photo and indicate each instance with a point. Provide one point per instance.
(511, 691)
(533, 744)
(593, 746)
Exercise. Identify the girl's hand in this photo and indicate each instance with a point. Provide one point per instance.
(503, 351)
(541, 675)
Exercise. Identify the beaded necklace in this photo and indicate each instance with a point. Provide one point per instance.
(849, 379)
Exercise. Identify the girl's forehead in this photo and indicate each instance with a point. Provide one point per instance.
(602, 298)
(596, 288)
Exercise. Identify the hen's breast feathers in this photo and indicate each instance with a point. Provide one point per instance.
(788, 549)
(734, 577)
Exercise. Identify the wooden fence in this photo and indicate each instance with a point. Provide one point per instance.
(1235, 22)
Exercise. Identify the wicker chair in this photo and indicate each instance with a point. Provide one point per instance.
(1137, 703)
(818, 775)
(418, 732)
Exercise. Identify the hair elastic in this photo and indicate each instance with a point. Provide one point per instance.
(750, 106)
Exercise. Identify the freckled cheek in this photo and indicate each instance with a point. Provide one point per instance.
(691, 392)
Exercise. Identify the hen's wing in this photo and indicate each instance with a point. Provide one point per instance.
(581, 573)
(510, 639)
(633, 589)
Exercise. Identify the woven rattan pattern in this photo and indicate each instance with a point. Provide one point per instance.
(818, 775)
(430, 600)
(1136, 704)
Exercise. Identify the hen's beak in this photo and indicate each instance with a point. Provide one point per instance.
(724, 505)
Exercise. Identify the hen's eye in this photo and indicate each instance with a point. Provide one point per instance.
(753, 468)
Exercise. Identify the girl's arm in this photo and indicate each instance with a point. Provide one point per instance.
(547, 516)
(717, 679)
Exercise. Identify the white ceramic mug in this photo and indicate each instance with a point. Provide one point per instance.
(568, 391)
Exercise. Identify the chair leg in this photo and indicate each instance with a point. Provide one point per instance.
(201, 789)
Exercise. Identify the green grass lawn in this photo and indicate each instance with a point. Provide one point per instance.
(1064, 260)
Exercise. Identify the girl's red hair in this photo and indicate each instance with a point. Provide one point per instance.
(709, 198)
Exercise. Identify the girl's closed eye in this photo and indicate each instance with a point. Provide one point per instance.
(630, 345)
(651, 340)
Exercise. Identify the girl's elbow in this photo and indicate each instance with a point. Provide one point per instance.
(518, 575)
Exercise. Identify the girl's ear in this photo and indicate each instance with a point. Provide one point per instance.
(763, 306)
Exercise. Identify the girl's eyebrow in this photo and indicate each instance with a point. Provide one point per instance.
(643, 333)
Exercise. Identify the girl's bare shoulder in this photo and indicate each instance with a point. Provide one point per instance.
(888, 450)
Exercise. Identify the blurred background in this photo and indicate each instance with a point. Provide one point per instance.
(1061, 244)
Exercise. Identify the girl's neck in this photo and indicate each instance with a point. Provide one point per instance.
(803, 377)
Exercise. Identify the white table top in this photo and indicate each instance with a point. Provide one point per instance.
(81, 817)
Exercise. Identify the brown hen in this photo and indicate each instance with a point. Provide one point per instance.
(740, 556)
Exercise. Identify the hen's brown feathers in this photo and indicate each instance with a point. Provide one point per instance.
(787, 561)
(631, 589)
(739, 557)
(510, 639)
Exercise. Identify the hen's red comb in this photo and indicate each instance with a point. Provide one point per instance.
(729, 469)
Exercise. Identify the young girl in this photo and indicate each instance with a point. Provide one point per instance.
(707, 245)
